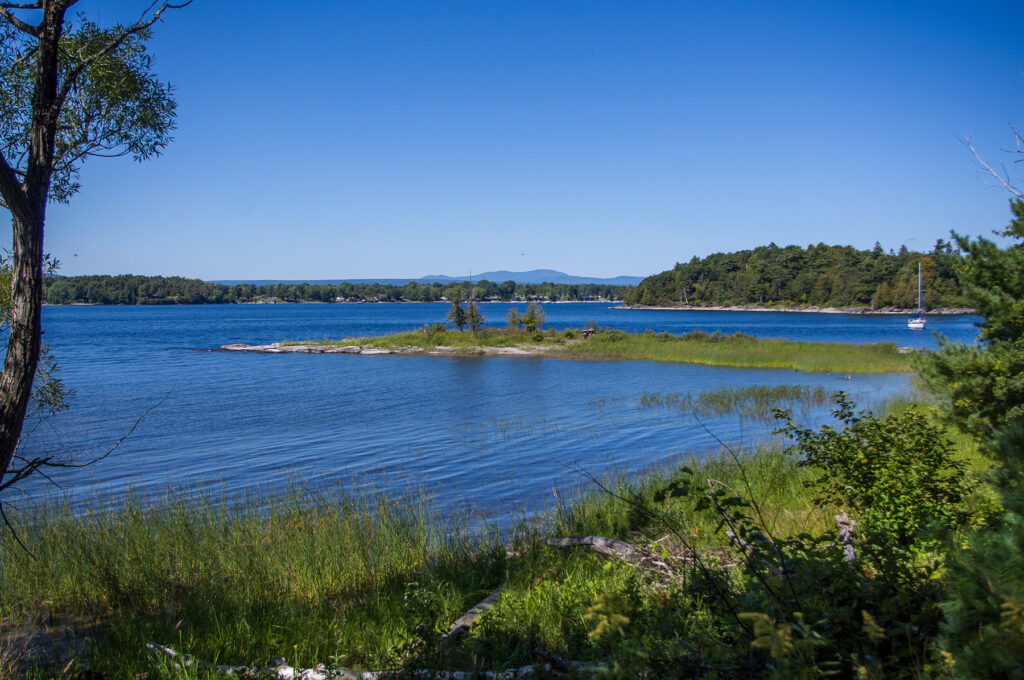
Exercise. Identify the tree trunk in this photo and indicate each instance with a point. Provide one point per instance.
(25, 333)
(28, 212)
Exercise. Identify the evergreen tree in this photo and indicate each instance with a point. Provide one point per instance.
(983, 388)
(457, 315)
(983, 636)
(474, 319)
(982, 385)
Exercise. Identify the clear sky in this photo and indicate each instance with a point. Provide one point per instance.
(343, 139)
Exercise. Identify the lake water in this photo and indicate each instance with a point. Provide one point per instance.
(497, 434)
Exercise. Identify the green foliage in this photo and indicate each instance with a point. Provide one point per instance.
(115, 107)
(897, 474)
(983, 636)
(823, 275)
(130, 289)
(607, 616)
(740, 350)
(474, 319)
(456, 314)
(513, 317)
(49, 394)
(982, 387)
(533, 319)
(753, 401)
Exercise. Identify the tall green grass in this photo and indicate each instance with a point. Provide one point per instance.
(304, 577)
(318, 579)
(754, 401)
(714, 349)
(367, 584)
(743, 351)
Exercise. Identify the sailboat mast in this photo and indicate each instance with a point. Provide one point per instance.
(921, 308)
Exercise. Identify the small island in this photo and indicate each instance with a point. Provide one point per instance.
(591, 344)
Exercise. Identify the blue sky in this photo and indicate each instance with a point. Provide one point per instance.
(339, 139)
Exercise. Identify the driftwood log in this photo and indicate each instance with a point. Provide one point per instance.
(282, 671)
(846, 527)
(470, 618)
(627, 552)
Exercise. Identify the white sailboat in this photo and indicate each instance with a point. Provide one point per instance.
(917, 323)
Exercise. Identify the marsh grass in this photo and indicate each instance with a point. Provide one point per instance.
(743, 351)
(755, 401)
(325, 578)
(304, 577)
(318, 579)
(713, 349)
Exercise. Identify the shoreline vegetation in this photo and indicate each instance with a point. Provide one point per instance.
(711, 349)
(820, 275)
(633, 572)
(809, 309)
(130, 289)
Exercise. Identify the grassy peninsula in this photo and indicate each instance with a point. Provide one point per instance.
(712, 349)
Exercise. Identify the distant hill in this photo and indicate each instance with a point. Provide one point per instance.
(533, 276)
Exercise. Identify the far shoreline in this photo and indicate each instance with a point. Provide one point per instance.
(860, 311)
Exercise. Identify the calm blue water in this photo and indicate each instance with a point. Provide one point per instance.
(498, 434)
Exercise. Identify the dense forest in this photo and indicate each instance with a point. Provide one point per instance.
(821, 275)
(129, 289)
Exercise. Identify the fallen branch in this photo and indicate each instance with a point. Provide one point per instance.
(613, 547)
(470, 618)
(282, 671)
(846, 527)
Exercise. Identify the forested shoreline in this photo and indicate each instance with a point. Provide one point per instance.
(820, 275)
(130, 289)
(770, 276)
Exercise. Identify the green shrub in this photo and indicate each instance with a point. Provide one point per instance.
(983, 636)
(897, 474)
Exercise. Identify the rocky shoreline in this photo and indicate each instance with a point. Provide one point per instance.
(278, 348)
(882, 311)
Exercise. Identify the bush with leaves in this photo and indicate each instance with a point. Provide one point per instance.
(897, 474)
(984, 633)
(832, 604)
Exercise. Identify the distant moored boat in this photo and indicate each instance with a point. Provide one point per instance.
(917, 323)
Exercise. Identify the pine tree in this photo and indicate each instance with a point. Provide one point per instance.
(474, 319)
(456, 314)
(982, 385)
(983, 388)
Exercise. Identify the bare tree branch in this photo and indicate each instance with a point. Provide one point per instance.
(14, 533)
(1004, 182)
(13, 20)
(33, 466)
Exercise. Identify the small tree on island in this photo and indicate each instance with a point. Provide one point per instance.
(533, 319)
(474, 319)
(456, 314)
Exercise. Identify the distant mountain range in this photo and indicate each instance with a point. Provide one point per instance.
(533, 276)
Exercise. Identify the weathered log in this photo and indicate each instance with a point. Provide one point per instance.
(282, 671)
(846, 527)
(605, 546)
(613, 547)
(470, 618)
